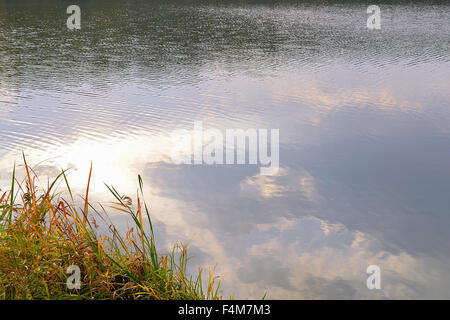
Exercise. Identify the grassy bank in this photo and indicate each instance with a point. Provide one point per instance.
(42, 235)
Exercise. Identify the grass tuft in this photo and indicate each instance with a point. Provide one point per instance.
(42, 235)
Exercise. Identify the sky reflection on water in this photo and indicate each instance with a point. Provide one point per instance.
(364, 134)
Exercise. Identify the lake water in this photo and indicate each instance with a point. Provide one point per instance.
(364, 120)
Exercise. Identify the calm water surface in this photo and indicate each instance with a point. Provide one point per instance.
(364, 125)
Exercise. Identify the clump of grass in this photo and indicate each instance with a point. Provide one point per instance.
(41, 235)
